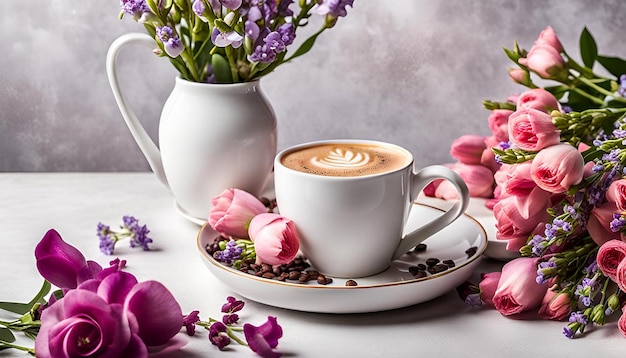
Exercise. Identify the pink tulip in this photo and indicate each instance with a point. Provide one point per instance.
(498, 123)
(557, 168)
(518, 290)
(610, 255)
(538, 98)
(488, 158)
(548, 37)
(599, 224)
(488, 285)
(545, 61)
(479, 181)
(232, 211)
(468, 149)
(520, 76)
(275, 238)
(617, 194)
(532, 130)
(511, 225)
(555, 305)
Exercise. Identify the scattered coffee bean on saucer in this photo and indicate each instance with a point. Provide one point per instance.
(420, 274)
(420, 248)
(471, 251)
(432, 261)
(351, 283)
(449, 263)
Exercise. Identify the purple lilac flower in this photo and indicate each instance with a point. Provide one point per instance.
(287, 33)
(107, 242)
(578, 317)
(622, 86)
(585, 290)
(189, 321)
(230, 253)
(568, 332)
(333, 8)
(171, 43)
(504, 145)
(618, 222)
(473, 300)
(543, 268)
(218, 336)
(138, 233)
(136, 8)
(619, 133)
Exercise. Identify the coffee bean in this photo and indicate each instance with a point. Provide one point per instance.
(294, 275)
(269, 275)
(440, 267)
(304, 277)
(471, 251)
(421, 267)
(323, 280)
(413, 270)
(420, 248)
(351, 283)
(449, 263)
(432, 261)
(313, 274)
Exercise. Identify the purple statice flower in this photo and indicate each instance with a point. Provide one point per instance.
(287, 33)
(273, 44)
(473, 300)
(578, 317)
(136, 8)
(544, 269)
(618, 222)
(568, 332)
(189, 321)
(585, 290)
(622, 85)
(138, 233)
(107, 240)
(171, 42)
(619, 133)
(333, 8)
(598, 167)
(218, 336)
(230, 253)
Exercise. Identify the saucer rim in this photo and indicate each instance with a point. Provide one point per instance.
(484, 242)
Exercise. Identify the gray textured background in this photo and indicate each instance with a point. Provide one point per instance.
(412, 72)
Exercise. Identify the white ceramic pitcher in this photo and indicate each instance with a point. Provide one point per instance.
(211, 136)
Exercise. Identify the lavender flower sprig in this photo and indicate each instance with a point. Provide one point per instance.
(138, 235)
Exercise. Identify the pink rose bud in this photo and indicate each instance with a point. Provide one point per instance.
(479, 181)
(599, 224)
(499, 124)
(555, 306)
(557, 168)
(548, 37)
(468, 149)
(532, 130)
(488, 285)
(545, 61)
(520, 76)
(232, 211)
(518, 290)
(610, 255)
(617, 194)
(275, 238)
(538, 98)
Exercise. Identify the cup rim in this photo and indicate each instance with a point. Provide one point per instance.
(282, 153)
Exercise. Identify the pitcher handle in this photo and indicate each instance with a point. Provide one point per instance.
(145, 143)
(419, 181)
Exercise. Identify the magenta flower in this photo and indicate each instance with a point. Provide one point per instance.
(232, 211)
(264, 338)
(275, 238)
(189, 321)
(84, 324)
(218, 335)
(62, 264)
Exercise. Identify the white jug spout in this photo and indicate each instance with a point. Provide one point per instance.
(145, 143)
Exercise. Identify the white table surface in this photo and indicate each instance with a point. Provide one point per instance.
(74, 203)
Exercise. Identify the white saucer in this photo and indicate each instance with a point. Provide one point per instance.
(394, 288)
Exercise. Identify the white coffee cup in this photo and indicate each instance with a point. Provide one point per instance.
(350, 214)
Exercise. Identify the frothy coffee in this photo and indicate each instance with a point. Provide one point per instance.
(346, 159)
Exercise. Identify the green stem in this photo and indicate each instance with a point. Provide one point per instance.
(30, 351)
(232, 64)
(601, 89)
(587, 95)
(191, 64)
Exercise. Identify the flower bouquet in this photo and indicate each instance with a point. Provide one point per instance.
(558, 189)
(230, 41)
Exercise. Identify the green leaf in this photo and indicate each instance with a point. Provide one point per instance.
(512, 55)
(615, 65)
(306, 46)
(39, 297)
(23, 308)
(588, 48)
(221, 69)
(6, 335)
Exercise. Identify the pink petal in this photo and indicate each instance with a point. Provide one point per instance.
(154, 309)
(57, 261)
(115, 287)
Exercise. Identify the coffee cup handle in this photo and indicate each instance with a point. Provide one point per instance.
(419, 181)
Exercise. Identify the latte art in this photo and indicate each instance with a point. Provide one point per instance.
(346, 159)
(342, 158)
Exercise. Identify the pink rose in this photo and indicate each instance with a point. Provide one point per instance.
(511, 225)
(488, 158)
(488, 285)
(232, 211)
(518, 290)
(599, 224)
(519, 75)
(499, 124)
(620, 275)
(545, 61)
(621, 323)
(548, 37)
(555, 306)
(468, 149)
(538, 98)
(610, 255)
(617, 194)
(532, 130)
(275, 238)
(557, 168)
(479, 180)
